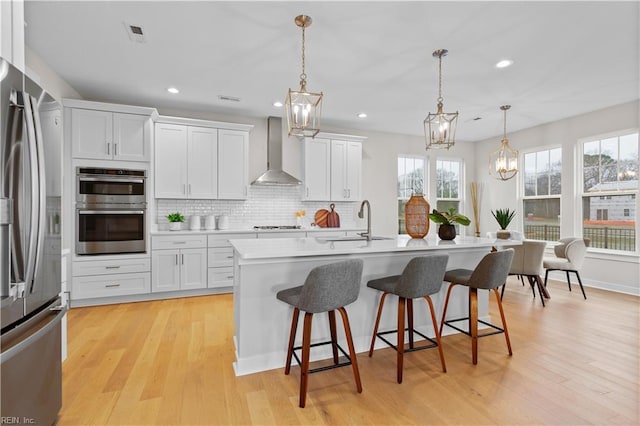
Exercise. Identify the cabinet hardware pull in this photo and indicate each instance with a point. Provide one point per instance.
(115, 149)
(189, 189)
(112, 285)
(108, 148)
(179, 242)
(229, 257)
(176, 259)
(230, 276)
(307, 191)
(111, 267)
(182, 258)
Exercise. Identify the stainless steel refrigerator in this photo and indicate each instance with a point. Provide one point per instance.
(30, 251)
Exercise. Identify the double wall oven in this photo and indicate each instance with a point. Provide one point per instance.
(111, 211)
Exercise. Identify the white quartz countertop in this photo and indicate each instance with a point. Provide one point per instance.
(251, 230)
(318, 246)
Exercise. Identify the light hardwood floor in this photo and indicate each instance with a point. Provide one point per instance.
(574, 362)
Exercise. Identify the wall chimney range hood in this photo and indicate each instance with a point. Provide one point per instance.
(275, 176)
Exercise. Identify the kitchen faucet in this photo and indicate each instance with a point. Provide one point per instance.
(361, 216)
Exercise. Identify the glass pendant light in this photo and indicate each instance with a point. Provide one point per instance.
(503, 163)
(303, 107)
(440, 128)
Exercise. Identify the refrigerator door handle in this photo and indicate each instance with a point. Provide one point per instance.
(15, 350)
(42, 188)
(35, 190)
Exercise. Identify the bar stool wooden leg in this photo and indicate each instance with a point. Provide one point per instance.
(334, 339)
(375, 327)
(352, 351)
(304, 368)
(292, 338)
(504, 322)
(437, 333)
(410, 321)
(400, 343)
(473, 322)
(446, 304)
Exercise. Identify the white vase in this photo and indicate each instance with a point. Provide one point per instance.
(175, 226)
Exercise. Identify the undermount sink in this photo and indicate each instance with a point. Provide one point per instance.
(351, 238)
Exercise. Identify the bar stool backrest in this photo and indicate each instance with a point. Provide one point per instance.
(422, 276)
(492, 271)
(331, 286)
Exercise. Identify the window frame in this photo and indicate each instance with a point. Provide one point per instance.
(425, 184)
(461, 230)
(606, 195)
(522, 183)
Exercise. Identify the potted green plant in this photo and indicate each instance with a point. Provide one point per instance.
(504, 218)
(175, 221)
(447, 229)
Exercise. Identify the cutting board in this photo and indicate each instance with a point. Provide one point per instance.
(321, 217)
(333, 219)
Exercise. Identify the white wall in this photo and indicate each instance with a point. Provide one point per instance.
(619, 272)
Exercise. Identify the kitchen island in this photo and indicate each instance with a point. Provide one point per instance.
(264, 267)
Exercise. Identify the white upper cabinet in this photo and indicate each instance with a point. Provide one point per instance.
(200, 161)
(109, 132)
(12, 32)
(170, 170)
(185, 161)
(233, 164)
(346, 170)
(332, 167)
(316, 169)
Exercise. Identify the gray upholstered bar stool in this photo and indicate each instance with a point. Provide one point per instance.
(421, 277)
(327, 288)
(491, 273)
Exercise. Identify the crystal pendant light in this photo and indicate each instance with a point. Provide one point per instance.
(303, 107)
(440, 128)
(503, 163)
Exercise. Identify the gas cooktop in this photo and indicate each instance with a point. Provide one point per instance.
(276, 227)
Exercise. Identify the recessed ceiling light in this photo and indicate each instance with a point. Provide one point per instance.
(278, 104)
(504, 63)
(173, 90)
(362, 115)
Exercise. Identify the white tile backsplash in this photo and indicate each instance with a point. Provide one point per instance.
(265, 205)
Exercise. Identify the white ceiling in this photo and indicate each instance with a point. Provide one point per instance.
(570, 57)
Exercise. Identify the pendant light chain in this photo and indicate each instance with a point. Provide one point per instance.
(440, 99)
(505, 123)
(303, 76)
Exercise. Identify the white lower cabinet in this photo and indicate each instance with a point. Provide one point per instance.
(220, 259)
(108, 278)
(183, 268)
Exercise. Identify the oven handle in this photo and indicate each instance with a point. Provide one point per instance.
(110, 179)
(110, 211)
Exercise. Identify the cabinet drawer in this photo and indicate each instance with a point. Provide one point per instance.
(110, 285)
(105, 267)
(223, 240)
(220, 256)
(178, 242)
(220, 277)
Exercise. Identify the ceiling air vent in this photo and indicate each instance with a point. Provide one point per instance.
(135, 33)
(228, 98)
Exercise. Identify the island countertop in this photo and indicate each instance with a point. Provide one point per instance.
(256, 249)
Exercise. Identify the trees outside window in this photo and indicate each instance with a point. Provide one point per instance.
(449, 175)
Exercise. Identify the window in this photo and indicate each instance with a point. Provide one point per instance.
(449, 186)
(542, 189)
(610, 185)
(411, 180)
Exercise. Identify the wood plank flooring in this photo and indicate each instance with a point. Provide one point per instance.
(169, 362)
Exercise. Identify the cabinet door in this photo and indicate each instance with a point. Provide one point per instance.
(165, 270)
(170, 161)
(316, 169)
(193, 268)
(338, 170)
(91, 134)
(130, 137)
(354, 170)
(202, 174)
(233, 148)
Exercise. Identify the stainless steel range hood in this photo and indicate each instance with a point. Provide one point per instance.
(274, 174)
